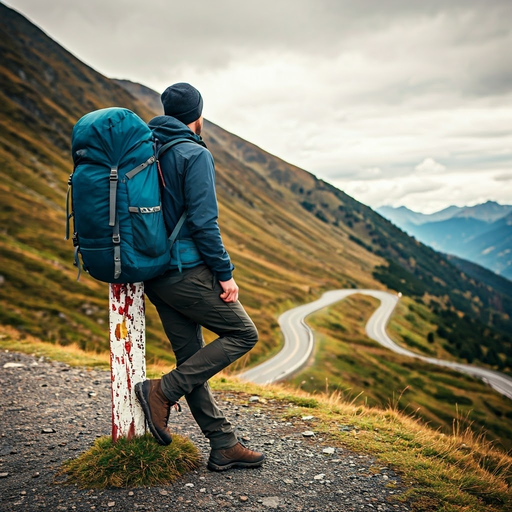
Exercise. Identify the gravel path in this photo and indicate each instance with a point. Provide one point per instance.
(51, 412)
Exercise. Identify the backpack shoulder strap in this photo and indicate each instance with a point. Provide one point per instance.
(162, 149)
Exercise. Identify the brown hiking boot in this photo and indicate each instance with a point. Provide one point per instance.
(238, 456)
(156, 409)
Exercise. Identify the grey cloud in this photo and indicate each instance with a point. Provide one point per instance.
(210, 33)
(435, 50)
(503, 177)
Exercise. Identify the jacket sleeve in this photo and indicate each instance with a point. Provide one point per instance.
(202, 214)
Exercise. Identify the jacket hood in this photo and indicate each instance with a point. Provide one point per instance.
(167, 128)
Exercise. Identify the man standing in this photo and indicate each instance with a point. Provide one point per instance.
(198, 290)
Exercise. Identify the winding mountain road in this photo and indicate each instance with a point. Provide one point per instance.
(299, 341)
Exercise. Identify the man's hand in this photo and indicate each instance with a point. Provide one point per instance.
(230, 293)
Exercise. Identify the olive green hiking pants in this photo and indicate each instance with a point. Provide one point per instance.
(186, 301)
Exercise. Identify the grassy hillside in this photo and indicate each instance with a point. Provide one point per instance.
(365, 373)
(289, 234)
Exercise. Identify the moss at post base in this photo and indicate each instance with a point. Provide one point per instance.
(135, 463)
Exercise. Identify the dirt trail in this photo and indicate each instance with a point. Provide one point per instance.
(51, 412)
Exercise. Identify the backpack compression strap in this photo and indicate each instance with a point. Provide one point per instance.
(113, 194)
(177, 228)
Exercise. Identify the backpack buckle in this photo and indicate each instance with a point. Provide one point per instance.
(70, 179)
(116, 239)
(113, 174)
(74, 238)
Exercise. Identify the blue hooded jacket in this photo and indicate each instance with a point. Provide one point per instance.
(189, 174)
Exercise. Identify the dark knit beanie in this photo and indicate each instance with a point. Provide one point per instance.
(183, 102)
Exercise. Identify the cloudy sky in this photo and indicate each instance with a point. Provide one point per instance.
(395, 102)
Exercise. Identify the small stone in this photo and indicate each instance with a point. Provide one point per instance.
(244, 498)
(4, 475)
(91, 394)
(189, 485)
(130, 493)
(307, 418)
(308, 433)
(328, 451)
(36, 474)
(254, 398)
(321, 476)
(270, 502)
(111, 504)
(163, 493)
(48, 431)
(270, 441)
(288, 481)
(14, 365)
(23, 493)
(203, 489)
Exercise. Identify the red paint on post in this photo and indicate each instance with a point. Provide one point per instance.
(128, 382)
(131, 430)
(114, 429)
(117, 290)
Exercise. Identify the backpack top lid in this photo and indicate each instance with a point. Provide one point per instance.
(106, 135)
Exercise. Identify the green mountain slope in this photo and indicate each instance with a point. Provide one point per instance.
(289, 234)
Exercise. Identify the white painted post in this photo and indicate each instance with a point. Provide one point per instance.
(127, 357)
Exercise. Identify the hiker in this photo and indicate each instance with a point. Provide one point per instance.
(198, 290)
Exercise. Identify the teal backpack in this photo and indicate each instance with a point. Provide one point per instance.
(119, 228)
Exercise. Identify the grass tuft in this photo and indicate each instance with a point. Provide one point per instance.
(131, 463)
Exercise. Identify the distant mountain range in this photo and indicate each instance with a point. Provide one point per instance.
(481, 234)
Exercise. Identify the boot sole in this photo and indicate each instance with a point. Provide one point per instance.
(147, 414)
(215, 467)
